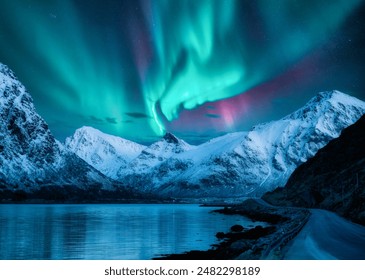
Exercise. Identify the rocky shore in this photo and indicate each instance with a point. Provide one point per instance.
(261, 242)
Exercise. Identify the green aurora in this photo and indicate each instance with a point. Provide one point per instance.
(131, 67)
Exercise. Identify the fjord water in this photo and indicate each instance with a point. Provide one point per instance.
(129, 231)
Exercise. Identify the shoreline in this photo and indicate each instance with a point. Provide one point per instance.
(252, 244)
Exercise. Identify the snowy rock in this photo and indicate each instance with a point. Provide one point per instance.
(30, 157)
(234, 165)
(155, 163)
(245, 163)
(104, 152)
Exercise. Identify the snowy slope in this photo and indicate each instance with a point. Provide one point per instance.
(30, 157)
(104, 152)
(247, 163)
(156, 153)
(140, 170)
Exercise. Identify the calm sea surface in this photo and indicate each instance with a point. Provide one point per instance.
(136, 231)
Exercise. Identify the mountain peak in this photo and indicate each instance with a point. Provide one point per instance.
(334, 96)
(30, 156)
(328, 103)
(322, 181)
(87, 130)
(107, 153)
(330, 95)
(5, 70)
(170, 138)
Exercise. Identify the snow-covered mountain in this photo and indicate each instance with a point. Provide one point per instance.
(149, 169)
(333, 179)
(238, 164)
(155, 154)
(30, 157)
(104, 152)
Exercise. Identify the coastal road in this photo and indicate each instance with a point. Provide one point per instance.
(327, 236)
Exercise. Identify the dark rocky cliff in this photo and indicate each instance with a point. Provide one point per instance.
(333, 179)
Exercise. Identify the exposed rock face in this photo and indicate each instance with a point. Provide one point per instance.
(333, 179)
(30, 157)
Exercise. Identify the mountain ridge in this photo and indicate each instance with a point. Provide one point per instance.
(104, 152)
(30, 157)
(239, 164)
(334, 179)
(247, 163)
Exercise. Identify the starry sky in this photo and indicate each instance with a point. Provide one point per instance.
(196, 68)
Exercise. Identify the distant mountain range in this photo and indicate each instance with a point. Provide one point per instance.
(235, 165)
(333, 179)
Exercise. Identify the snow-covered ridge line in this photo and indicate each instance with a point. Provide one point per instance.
(105, 152)
(237, 164)
(30, 157)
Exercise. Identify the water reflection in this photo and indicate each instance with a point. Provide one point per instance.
(107, 231)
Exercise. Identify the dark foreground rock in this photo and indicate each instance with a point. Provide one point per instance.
(334, 179)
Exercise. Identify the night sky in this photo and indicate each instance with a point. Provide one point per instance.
(196, 68)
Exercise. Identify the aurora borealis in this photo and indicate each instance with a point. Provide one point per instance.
(197, 68)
